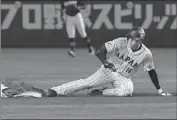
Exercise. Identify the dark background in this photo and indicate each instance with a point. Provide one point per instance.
(16, 36)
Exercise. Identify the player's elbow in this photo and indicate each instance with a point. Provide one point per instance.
(100, 50)
(152, 71)
(97, 52)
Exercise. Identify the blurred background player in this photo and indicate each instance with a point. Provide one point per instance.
(73, 18)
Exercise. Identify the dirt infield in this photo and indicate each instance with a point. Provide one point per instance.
(49, 67)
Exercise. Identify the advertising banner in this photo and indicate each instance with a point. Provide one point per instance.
(38, 23)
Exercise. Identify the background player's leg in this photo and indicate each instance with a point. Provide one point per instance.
(72, 44)
(82, 31)
(122, 87)
(90, 47)
(100, 77)
(70, 28)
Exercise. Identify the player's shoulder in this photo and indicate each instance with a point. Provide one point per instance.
(146, 50)
(120, 40)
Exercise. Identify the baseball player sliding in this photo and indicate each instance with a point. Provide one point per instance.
(73, 18)
(127, 55)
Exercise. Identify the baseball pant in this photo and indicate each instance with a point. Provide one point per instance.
(122, 86)
(73, 22)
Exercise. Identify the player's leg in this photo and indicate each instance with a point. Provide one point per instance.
(82, 31)
(99, 78)
(70, 28)
(121, 87)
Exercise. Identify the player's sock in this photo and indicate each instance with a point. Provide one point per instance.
(88, 43)
(72, 43)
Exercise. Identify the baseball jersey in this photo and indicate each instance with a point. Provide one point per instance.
(71, 6)
(126, 60)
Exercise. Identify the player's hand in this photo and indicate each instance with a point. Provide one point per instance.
(63, 18)
(163, 93)
(110, 66)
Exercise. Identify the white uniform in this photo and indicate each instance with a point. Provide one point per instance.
(73, 18)
(73, 23)
(126, 62)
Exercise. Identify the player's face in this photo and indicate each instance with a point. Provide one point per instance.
(135, 43)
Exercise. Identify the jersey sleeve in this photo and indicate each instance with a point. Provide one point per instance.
(114, 44)
(148, 63)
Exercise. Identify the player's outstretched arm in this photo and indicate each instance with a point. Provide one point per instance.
(101, 54)
(154, 79)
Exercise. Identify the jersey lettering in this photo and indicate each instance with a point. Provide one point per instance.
(70, 3)
(125, 60)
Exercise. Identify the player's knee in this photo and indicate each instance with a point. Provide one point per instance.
(50, 93)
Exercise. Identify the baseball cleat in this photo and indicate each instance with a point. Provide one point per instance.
(96, 92)
(129, 95)
(71, 53)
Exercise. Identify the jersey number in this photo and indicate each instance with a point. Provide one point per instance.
(128, 70)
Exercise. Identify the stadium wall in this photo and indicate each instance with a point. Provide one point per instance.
(38, 23)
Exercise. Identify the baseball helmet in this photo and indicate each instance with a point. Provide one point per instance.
(136, 33)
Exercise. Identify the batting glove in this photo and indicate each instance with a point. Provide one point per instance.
(163, 93)
(110, 66)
